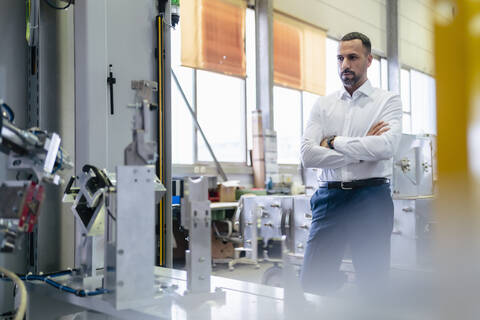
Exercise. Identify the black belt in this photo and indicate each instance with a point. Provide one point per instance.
(354, 184)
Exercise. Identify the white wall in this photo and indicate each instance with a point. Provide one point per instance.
(369, 16)
(415, 32)
(339, 17)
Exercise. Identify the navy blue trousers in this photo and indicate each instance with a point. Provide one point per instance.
(360, 218)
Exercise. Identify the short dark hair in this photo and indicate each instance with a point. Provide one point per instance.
(360, 36)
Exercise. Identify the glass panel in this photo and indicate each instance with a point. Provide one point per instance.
(407, 123)
(286, 104)
(424, 113)
(309, 100)
(384, 71)
(373, 73)
(221, 112)
(405, 89)
(182, 125)
(333, 82)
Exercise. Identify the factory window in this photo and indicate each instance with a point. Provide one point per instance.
(308, 100)
(406, 100)
(221, 114)
(217, 99)
(384, 73)
(287, 112)
(182, 125)
(423, 103)
(419, 103)
(374, 73)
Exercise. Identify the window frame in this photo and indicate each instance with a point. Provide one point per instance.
(409, 113)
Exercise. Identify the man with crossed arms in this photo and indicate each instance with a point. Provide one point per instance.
(352, 136)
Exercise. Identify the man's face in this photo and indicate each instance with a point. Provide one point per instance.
(353, 61)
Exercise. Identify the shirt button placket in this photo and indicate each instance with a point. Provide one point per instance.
(346, 133)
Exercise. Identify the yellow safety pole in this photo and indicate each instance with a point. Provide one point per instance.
(457, 45)
(161, 110)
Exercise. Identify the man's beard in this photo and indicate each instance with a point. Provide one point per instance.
(349, 82)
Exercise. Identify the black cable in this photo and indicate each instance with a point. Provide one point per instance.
(58, 8)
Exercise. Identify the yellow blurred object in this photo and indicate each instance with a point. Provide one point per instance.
(457, 43)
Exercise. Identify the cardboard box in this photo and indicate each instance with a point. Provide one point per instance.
(221, 250)
(227, 194)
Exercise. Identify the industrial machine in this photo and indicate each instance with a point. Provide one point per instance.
(38, 158)
(414, 176)
(270, 218)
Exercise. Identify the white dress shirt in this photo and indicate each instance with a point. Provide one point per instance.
(355, 155)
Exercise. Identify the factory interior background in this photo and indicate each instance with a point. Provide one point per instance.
(171, 91)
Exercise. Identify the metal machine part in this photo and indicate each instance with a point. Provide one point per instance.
(143, 149)
(302, 215)
(413, 169)
(130, 237)
(34, 151)
(196, 217)
(88, 205)
(121, 208)
(268, 218)
(412, 236)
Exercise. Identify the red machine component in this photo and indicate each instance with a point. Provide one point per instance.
(31, 206)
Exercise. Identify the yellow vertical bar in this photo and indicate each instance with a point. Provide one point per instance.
(457, 43)
(160, 134)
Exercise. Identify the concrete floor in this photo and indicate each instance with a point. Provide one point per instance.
(244, 272)
(401, 279)
(250, 273)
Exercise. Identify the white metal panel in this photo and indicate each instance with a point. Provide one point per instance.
(121, 33)
(131, 42)
(404, 242)
(90, 84)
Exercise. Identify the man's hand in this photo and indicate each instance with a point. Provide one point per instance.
(378, 129)
(324, 143)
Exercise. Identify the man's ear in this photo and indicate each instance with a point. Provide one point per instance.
(369, 58)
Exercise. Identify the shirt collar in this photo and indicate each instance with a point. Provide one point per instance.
(365, 89)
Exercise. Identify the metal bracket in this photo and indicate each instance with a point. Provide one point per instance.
(143, 149)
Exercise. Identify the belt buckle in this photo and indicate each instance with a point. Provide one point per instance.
(344, 188)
